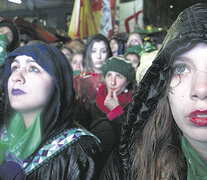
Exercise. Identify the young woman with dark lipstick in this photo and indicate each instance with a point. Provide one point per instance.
(39, 138)
(165, 134)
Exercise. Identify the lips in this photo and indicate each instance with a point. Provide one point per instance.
(199, 118)
(17, 92)
(99, 62)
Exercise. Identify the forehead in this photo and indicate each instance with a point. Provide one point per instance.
(78, 56)
(99, 44)
(23, 58)
(5, 29)
(199, 51)
(113, 41)
(196, 56)
(134, 36)
(132, 55)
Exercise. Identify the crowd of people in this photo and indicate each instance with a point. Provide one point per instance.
(109, 109)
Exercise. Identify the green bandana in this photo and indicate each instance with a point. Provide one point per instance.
(21, 142)
(197, 169)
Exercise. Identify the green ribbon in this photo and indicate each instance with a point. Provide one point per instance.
(197, 169)
(21, 142)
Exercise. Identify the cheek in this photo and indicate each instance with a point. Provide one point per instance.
(93, 57)
(123, 84)
(104, 56)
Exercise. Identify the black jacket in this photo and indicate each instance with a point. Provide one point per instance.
(189, 28)
(80, 161)
(107, 131)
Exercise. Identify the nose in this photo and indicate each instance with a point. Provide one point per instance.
(18, 77)
(199, 86)
(113, 81)
(98, 55)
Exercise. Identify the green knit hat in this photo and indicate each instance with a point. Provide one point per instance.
(120, 65)
(139, 50)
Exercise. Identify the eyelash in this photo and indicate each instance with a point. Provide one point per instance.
(181, 65)
(31, 68)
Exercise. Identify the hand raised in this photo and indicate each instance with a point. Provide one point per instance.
(111, 100)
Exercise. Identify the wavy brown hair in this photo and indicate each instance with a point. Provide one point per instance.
(157, 152)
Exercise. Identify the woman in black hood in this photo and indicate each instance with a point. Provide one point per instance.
(39, 138)
(165, 133)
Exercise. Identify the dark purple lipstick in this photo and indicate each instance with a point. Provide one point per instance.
(17, 92)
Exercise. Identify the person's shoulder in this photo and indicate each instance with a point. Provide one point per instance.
(88, 144)
(78, 140)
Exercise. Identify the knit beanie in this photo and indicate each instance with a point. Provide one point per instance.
(16, 40)
(120, 65)
(134, 50)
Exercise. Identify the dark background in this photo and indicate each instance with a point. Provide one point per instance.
(162, 13)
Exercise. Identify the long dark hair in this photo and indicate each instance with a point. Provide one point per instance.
(157, 152)
(87, 61)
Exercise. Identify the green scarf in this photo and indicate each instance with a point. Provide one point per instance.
(21, 142)
(197, 169)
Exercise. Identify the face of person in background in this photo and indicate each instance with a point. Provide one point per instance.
(188, 94)
(98, 55)
(114, 47)
(67, 53)
(7, 31)
(134, 60)
(29, 85)
(77, 62)
(115, 82)
(134, 40)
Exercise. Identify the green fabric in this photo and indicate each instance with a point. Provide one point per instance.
(139, 50)
(197, 169)
(21, 142)
(3, 43)
(120, 65)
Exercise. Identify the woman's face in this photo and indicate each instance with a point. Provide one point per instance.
(98, 55)
(77, 62)
(7, 31)
(134, 60)
(29, 85)
(188, 94)
(115, 82)
(114, 47)
(134, 40)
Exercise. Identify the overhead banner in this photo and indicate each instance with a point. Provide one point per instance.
(91, 17)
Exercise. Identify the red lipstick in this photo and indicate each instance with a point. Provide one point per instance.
(199, 118)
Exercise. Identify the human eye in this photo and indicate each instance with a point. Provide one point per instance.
(104, 51)
(93, 50)
(119, 76)
(181, 68)
(14, 68)
(108, 74)
(33, 69)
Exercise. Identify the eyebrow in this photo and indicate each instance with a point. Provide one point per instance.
(182, 59)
